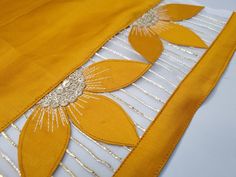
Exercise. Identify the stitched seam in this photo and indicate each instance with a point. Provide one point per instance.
(156, 119)
(61, 154)
(101, 139)
(195, 109)
(74, 68)
(125, 84)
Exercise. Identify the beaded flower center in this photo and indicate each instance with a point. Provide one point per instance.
(148, 19)
(67, 92)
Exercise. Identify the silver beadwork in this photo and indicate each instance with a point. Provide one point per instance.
(148, 19)
(67, 92)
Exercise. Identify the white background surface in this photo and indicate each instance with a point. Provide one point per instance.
(208, 148)
(219, 4)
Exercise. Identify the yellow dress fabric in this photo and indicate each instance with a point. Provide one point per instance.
(145, 34)
(49, 154)
(42, 42)
(96, 115)
(155, 147)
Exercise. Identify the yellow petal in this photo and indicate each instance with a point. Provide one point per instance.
(110, 75)
(42, 147)
(104, 120)
(147, 44)
(178, 34)
(178, 12)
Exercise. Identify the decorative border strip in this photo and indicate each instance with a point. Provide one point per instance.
(155, 147)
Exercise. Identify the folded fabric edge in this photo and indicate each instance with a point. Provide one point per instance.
(159, 141)
(93, 51)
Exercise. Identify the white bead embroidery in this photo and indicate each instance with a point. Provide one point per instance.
(148, 19)
(67, 92)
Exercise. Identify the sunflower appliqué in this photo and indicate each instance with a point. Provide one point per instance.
(158, 23)
(45, 136)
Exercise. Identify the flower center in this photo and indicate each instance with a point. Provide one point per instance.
(67, 92)
(150, 18)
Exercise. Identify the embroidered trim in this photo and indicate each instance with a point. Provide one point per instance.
(67, 92)
(166, 144)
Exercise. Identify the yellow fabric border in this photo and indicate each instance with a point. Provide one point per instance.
(154, 149)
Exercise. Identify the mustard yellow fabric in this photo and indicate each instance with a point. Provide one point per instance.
(149, 46)
(43, 41)
(114, 74)
(178, 34)
(153, 150)
(145, 38)
(179, 12)
(103, 120)
(97, 115)
(46, 133)
(40, 150)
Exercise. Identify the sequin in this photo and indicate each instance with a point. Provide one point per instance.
(148, 19)
(67, 92)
